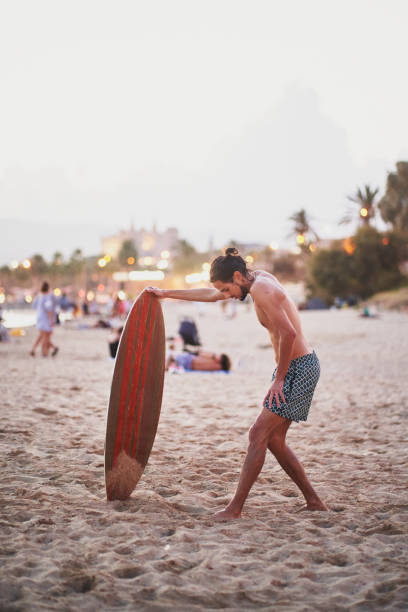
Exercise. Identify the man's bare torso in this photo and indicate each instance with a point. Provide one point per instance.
(268, 282)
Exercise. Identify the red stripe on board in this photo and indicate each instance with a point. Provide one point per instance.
(137, 390)
(136, 378)
(124, 387)
(149, 340)
(122, 397)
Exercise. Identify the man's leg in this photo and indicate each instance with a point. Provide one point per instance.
(292, 466)
(259, 435)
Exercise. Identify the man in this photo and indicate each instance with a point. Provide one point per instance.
(293, 382)
(201, 361)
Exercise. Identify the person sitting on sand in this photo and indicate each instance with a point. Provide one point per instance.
(113, 342)
(368, 311)
(4, 332)
(202, 361)
(293, 382)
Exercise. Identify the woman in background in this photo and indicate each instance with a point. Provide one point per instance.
(45, 306)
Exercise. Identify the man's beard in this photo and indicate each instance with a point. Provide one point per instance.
(244, 292)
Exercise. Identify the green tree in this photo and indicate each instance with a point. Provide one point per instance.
(375, 264)
(57, 259)
(233, 243)
(127, 251)
(188, 259)
(75, 268)
(371, 266)
(57, 268)
(330, 274)
(303, 230)
(284, 266)
(393, 205)
(267, 256)
(39, 266)
(185, 249)
(366, 200)
(6, 277)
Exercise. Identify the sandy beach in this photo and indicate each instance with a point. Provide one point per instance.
(64, 547)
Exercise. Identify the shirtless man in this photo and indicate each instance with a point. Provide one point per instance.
(202, 361)
(293, 382)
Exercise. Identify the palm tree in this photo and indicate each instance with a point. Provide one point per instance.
(366, 200)
(128, 253)
(393, 206)
(303, 230)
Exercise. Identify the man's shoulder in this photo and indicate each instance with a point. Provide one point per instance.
(265, 286)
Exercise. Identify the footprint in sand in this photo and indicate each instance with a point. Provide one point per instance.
(290, 493)
(128, 573)
(22, 517)
(167, 533)
(80, 583)
(324, 524)
(189, 509)
(123, 550)
(164, 492)
(384, 529)
(45, 411)
(387, 587)
(338, 561)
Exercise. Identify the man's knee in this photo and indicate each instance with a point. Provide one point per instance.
(258, 437)
(276, 442)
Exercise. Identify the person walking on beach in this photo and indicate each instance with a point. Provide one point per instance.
(293, 381)
(44, 304)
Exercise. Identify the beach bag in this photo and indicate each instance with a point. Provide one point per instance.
(189, 332)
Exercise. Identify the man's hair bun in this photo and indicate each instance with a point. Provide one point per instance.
(224, 266)
(232, 251)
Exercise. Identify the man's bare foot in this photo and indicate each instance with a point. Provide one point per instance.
(32, 353)
(226, 515)
(315, 506)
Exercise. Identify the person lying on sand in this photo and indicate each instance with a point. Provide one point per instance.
(293, 382)
(202, 361)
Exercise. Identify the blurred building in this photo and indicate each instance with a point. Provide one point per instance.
(152, 246)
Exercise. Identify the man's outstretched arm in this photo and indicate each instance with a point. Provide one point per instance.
(192, 295)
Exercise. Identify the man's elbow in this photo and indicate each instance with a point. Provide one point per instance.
(216, 297)
(290, 334)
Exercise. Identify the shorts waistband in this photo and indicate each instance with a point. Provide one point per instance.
(313, 353)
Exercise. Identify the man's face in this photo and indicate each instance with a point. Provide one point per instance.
(232, 290)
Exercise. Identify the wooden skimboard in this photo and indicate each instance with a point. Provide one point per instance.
(135, 398)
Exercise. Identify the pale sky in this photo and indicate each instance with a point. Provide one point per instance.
(220, 117)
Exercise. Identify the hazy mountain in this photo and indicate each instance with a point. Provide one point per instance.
(293, 157)
(20, 239)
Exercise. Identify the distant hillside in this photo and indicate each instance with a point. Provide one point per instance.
(391, 300)
(20, 239)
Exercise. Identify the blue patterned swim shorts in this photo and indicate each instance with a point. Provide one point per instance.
(185, 360)
(298, 388)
